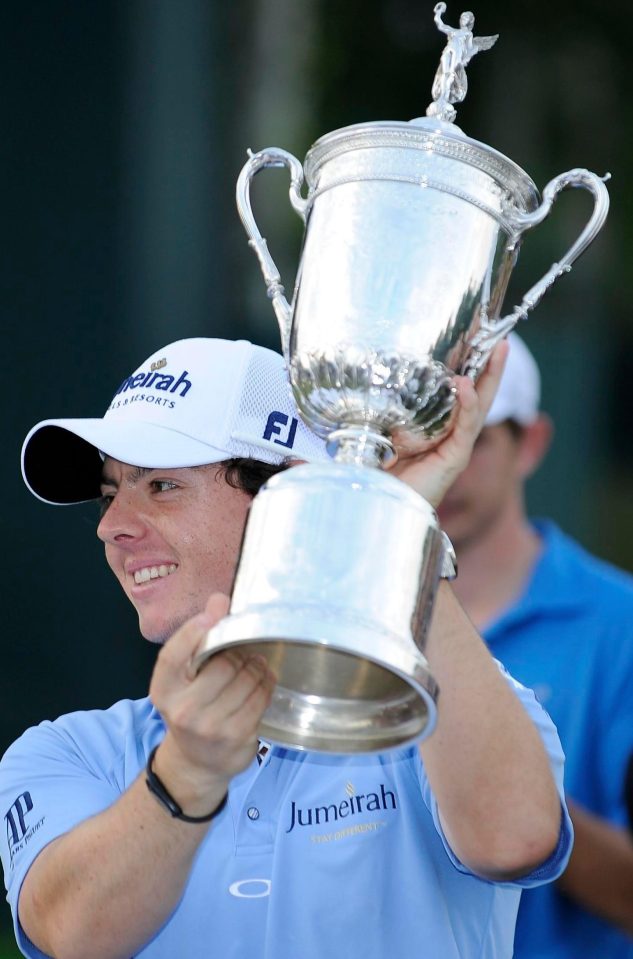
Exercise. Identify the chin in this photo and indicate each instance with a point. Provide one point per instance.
(157, 633)
(158, 639)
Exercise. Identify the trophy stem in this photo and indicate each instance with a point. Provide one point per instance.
(360, 446)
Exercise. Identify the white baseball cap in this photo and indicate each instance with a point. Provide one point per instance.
(519, 395)
(196, 401)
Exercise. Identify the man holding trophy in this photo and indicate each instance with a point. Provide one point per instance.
(333, 765)
(152, 829)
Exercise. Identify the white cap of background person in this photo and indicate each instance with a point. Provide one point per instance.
(194, 402)
(518, 397)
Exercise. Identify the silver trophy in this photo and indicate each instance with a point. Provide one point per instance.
(412, 231)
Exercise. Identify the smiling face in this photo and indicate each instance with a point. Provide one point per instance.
(172, 537)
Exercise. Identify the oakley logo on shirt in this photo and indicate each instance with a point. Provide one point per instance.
(251, 888)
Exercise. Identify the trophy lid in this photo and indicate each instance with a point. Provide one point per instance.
(436, 133)
(425, 135)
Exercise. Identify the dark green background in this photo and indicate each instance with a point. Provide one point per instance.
(125, 125)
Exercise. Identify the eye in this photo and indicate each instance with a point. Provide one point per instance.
(163, 486)
(103, 503)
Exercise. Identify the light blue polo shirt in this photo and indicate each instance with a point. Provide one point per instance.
(314, 856)
(570, 638)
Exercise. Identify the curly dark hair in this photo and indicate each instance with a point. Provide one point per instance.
(249, 475)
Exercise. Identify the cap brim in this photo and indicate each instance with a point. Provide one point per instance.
(62, 460)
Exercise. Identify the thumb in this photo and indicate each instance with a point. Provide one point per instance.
(217, 607)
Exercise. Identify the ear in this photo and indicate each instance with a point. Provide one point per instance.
(534, 444)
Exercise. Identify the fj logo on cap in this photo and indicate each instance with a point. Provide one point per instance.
(274, 429)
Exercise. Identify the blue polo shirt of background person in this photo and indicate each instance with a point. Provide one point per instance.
(569, 638)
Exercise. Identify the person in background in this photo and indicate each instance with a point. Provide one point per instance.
(562, 622)
(628, 792)
(162, 828)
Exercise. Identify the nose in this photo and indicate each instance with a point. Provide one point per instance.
(122, 521)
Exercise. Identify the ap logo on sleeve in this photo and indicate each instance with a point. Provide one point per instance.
(20, 827)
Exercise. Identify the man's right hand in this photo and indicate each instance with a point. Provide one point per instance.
(211, 717)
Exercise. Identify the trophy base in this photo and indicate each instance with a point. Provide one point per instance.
(327, 698)
(335, 588)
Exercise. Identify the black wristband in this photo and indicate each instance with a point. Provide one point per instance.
(157, 787)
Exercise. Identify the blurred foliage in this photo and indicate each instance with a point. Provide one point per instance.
(8, 948)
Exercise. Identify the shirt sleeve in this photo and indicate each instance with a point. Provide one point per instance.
(554, 866)
(47, 786)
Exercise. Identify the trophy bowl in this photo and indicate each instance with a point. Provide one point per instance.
(412, 230)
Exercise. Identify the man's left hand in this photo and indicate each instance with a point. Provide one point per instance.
(432, 473)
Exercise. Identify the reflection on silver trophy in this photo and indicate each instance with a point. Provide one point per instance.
(412, 231)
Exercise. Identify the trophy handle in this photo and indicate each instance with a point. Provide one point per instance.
(270, 157)
(492, 331)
